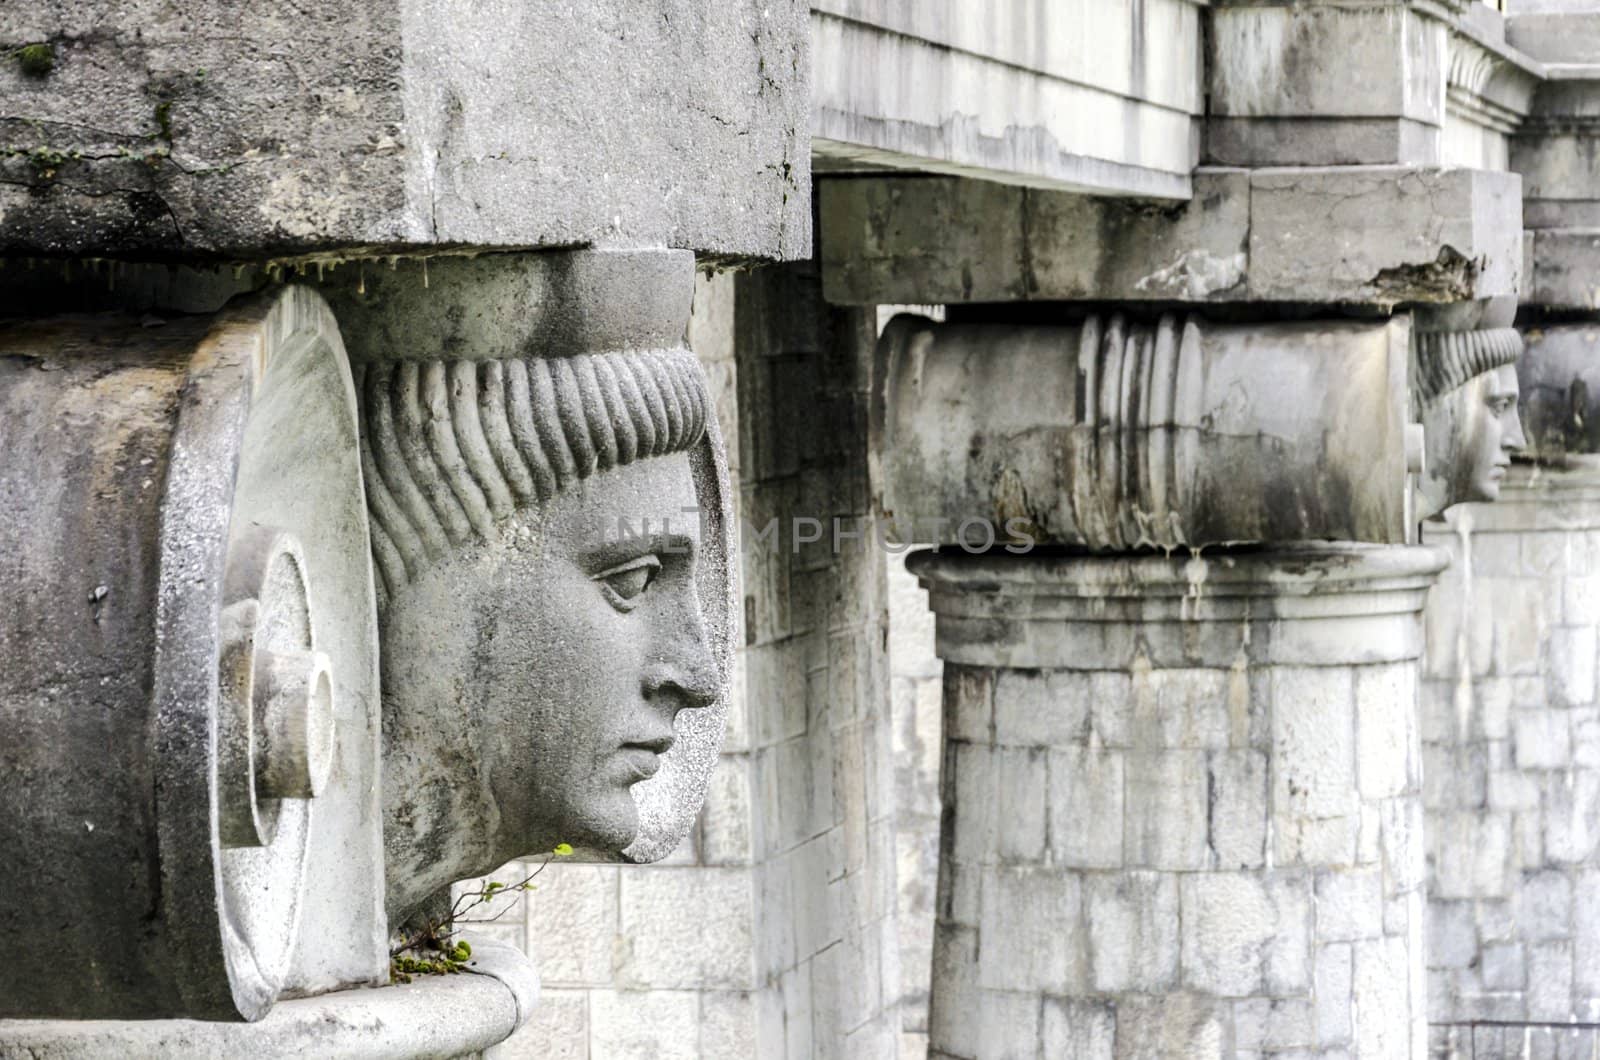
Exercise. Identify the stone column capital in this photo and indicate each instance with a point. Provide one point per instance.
(1119, 433)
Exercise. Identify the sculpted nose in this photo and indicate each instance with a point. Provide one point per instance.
(684, 673)
(1514, 438)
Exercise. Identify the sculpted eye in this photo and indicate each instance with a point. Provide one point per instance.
(626, 582)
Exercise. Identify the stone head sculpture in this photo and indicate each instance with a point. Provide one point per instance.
(1465, 390)
(551, 633)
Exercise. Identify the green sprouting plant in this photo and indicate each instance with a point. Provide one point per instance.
(433, 949)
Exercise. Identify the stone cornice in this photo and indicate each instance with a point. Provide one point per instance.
(1489, 83)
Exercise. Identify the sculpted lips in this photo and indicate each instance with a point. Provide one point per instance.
(643, 757)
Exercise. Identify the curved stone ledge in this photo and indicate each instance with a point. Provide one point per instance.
(1306, 604)
(434, 1016)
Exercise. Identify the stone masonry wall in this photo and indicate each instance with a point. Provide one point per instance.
(1511, 731)
(916, 678)
(1153, 888)
(816, 676)
(772, 932)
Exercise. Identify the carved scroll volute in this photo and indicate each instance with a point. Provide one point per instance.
(1121, 435)
(188, 672)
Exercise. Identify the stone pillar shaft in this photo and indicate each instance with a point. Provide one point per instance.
(1511, 743)
(1182, 803)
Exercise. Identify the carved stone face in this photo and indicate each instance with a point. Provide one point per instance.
(1471, 433)
(530, 682)
(1499, 432)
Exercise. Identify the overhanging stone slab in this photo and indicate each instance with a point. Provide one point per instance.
(1372, 235)
(1384, 234)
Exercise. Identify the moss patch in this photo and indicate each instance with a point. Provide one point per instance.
(37, 60)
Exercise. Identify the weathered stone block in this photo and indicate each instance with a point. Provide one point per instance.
(1234, 932)
(1239, 810)
(414, 126)
(1542, 739)
(1021, 795)
(1550, 981)
(1086, 808)
(1381, 990)
(1176, 1024)
(1504, 966)
(1570, 665)
(1272, 1025)
(968, 703)
(1452, 934)
(1041, 708)
(1008, 1023)
(1403, 844)
(728, 1024)
(1195, 252)
(686, 929)
(1561, 275)
(1332, 984)
(1077, 1030)
(1473, 862)
(1133, 931)
(1543, 905)
(728, 815)
(1030, 936)
(955, 970)
(1571, 826)
(572, 924)
(1165, 813)
(1181, 708)
(644, 1025)
(1386, 736)
(1314, 783)
(1349, 905)
(1286, 93)
(1381, 234)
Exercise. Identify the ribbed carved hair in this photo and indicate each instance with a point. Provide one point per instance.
(1447, 360)
(450, 448)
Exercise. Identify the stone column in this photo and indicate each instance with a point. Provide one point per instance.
(1182, 803)
(1511, 736)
